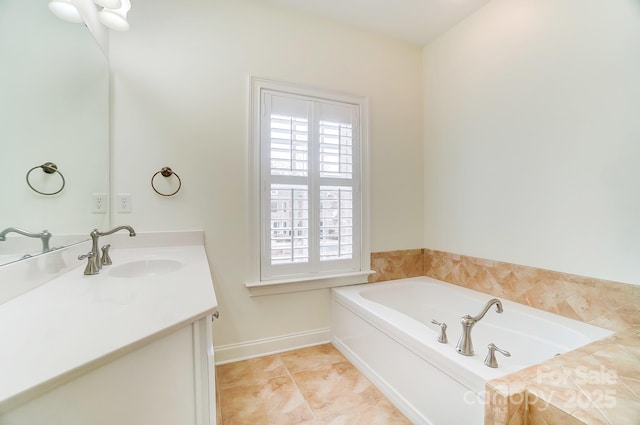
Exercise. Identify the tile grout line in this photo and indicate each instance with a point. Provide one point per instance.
(625, 349)
(295, 384)
(591, 401)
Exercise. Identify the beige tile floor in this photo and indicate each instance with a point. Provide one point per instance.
(309, 386)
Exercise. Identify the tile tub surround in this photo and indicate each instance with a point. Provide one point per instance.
(310, 386)
(608, 304)
(392, 265)
(611, 305)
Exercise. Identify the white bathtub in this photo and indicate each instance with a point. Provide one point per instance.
(385, 330)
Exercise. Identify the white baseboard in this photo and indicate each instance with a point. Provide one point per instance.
(262, 347)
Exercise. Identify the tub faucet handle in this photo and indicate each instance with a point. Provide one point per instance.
(443, 331)
(490, 360)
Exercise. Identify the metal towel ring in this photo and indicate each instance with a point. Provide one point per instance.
(166, 172)
(49, 168)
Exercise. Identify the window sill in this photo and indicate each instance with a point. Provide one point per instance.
(282, 286)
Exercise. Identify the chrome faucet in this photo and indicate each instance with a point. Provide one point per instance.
(465, 345)
(44, 235)
(95, 234)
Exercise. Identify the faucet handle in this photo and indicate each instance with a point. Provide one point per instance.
(490, 360)
(443, 331)
(91, 268)
(89, 254)
(106, 259)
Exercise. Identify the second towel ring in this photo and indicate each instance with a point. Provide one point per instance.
(166, 172)
(49, 168)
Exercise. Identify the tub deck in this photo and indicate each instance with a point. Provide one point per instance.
(593, 385)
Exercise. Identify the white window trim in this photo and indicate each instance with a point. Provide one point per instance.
(307, 282)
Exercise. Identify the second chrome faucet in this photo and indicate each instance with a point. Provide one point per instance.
(465, 345)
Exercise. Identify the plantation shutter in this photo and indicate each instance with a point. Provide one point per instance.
(310, 186)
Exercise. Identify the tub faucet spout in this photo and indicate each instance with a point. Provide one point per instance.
(465, 345)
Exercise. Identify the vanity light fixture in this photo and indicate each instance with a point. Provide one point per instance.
(111, 13)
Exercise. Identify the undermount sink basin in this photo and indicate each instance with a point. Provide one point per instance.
(145, 268)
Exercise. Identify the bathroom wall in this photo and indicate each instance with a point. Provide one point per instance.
(531, 136)
(180, 99)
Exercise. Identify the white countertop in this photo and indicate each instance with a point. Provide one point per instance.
(75, 323)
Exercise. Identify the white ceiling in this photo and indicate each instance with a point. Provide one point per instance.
(413, 21)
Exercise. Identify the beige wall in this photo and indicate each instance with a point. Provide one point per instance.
(532, 136)
(181, 79)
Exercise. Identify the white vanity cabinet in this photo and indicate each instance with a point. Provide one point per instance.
(169, 381)
(130, 345)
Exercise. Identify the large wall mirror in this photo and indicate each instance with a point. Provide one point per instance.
(54, 107)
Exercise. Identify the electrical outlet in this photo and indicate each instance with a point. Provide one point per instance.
(123, 202)
(99, 203)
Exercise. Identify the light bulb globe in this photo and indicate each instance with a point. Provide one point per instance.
(113, 20)
(65, 10)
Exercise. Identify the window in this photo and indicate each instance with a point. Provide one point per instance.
(308, 148)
